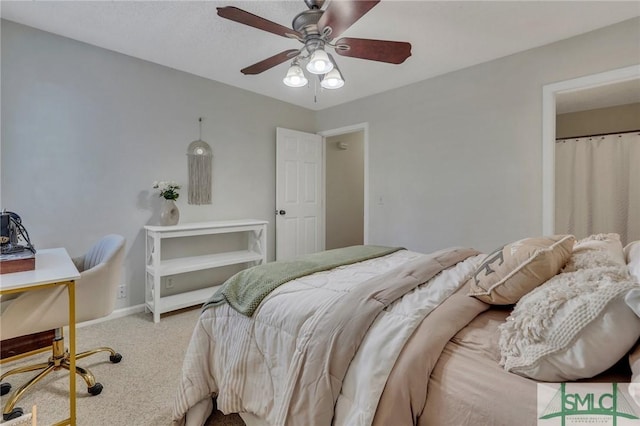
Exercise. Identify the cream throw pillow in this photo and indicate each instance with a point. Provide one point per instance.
(575, 326)
(596, 250)
(517, 268)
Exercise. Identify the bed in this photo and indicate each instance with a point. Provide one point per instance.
(406, 338)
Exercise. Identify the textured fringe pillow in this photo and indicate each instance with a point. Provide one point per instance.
(517, 268)
(596, 250)
(574, 326)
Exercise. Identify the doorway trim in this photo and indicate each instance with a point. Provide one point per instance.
(364, 127)
(549, 92)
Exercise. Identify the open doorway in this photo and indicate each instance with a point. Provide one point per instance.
(597, 147)
(346, 181)
(550, 95)
(344, 186)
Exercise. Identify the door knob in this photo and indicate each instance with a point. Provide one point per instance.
(281, 212)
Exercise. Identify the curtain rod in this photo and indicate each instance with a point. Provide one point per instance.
(598, 134)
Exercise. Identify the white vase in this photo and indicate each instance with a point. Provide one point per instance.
(169, 214)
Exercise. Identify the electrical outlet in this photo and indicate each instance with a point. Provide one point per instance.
(169, 283)
(122, 292)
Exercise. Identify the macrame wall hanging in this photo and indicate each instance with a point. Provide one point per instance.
(200, 162)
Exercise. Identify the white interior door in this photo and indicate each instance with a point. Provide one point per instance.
(299, 208)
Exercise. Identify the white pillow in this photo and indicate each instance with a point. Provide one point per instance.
(632, 257)
(574, 326)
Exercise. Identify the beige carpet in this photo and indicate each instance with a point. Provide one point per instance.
(138, 391)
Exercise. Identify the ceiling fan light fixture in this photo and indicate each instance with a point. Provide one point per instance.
(295, 76)
(319, 63)
(317, 28)
(332, 80)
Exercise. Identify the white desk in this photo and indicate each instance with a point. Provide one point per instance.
(54, 267)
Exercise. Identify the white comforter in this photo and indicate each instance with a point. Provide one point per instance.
(260, 347)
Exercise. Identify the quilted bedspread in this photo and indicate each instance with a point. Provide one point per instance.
(287, 363)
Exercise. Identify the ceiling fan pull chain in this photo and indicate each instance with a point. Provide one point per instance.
(315, 91)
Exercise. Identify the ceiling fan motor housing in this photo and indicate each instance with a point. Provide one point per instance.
(306, 23)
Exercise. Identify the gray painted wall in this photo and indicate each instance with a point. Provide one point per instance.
(456, 159)
(85, 132)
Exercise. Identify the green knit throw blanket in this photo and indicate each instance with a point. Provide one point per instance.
(245, 290)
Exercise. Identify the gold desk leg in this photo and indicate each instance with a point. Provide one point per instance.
(71, 287)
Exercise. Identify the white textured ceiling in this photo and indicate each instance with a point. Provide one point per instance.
(445, 35)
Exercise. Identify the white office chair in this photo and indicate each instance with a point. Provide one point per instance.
(35, 311)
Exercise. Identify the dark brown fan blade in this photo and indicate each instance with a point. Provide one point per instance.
(341, 14)
(268, 63)
(393, 52)
(243, 17)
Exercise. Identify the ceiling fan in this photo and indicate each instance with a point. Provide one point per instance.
(318, 29)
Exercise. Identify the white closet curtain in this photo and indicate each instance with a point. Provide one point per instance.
(598, 186)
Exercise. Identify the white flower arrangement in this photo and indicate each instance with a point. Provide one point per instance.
(168, 189)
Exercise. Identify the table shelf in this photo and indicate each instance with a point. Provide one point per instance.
(157, 267)
(185, 300)
(207, 261)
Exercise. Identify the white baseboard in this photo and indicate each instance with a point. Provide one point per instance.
(118, 313)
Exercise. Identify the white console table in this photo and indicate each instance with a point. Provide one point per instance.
(157, 267)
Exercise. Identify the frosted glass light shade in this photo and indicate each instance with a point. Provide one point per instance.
(319, 63)
(295, 77)
(332, 80)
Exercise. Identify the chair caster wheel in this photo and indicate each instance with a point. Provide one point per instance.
(95, 389)
(115, 358)
(5, 388)
(13, 414)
